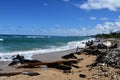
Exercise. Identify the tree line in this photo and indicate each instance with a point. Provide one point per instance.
(110, 35)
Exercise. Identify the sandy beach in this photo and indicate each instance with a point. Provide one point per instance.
(52, 73)
(83, 72)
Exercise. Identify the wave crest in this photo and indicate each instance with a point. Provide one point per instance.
(30, 53)
(1, 39)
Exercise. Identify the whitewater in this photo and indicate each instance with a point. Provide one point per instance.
(30, 43)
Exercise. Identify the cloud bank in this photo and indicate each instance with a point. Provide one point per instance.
(112, 5)
(92, 18)
(106, 27)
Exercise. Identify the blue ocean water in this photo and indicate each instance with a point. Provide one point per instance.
(35, 44)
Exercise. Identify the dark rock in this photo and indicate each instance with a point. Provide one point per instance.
(104, 74)
(62, 67)
(20, 59)
(110, 58)
(89, 43)
(1, 69)
(104, 69)
(76, 66)
(10, 74)
(118, 72)
(82, 75)
(101, 46)
(72, 56)
(67, 71)
(14, 62)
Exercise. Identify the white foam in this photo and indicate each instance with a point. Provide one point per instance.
(28, 54)
(38, 36)
(1, 39)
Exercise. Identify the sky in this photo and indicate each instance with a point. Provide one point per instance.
(59, 17)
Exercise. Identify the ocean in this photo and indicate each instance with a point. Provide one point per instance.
(28, 45)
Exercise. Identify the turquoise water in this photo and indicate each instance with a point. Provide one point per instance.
(23, 43)
(28, 44)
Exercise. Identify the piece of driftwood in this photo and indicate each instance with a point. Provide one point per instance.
(10, 74)
(54, 63)
(61, 66)
(29, 73)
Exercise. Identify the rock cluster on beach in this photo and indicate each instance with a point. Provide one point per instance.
(111, 58)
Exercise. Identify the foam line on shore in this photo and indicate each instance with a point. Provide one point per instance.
(28, 54)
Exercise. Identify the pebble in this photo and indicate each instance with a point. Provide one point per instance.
(118, 72)
(82, 75)
(66, 71)
(104, 69)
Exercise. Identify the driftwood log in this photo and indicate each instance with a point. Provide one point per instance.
(10, 74)
(29, 73)
(64, 64)
(54, 63)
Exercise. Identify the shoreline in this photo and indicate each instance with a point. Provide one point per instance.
(81, 71)
(52, 56)
(6, 56)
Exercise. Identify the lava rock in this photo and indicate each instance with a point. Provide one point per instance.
(104, 69)
(18, 59)
(72, 56)
(63, 67)
(118, 72)
(110, 58)
(67, 71)
(82, 75)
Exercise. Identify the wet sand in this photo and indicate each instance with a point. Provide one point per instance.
(52, 56)
(55, 74)
(4, 68)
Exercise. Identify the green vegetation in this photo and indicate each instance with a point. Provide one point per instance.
(110, 35)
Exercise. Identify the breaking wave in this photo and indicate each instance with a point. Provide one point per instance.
(7, 56)
(1, 39)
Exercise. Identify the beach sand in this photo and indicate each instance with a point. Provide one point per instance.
(56, 74)
(52, 56)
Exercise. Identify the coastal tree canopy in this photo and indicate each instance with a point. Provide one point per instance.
(110, 35)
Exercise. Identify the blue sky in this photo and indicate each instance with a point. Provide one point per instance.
(59, 17)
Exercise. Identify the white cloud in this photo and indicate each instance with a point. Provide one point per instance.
(66, 0)
(93, 18)
(107, 27)
(45, 4)
(103, 18)
(112, 5)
